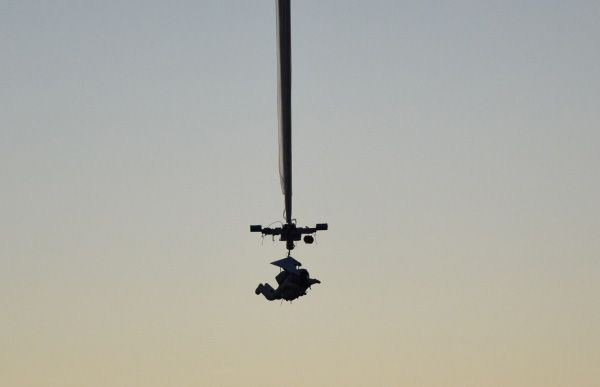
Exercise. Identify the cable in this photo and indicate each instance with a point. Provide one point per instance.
(272, 223)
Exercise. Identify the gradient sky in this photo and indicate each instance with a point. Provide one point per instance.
(453, 147)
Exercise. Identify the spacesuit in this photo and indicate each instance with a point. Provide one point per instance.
(291, 285)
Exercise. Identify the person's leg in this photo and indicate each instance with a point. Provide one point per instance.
(267, 291)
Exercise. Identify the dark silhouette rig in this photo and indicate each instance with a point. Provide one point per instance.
(292, 281)
(290, 233)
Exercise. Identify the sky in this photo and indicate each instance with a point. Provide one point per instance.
(453, 148)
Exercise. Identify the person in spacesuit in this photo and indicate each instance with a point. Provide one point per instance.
(292, 282)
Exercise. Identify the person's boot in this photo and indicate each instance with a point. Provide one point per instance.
(259, 289)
